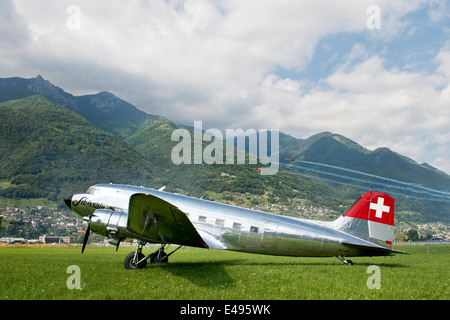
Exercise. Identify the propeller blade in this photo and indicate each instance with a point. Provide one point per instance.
(118, 243)
(88, 230)
(86, 236)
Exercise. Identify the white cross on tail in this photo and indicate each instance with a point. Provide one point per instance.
(379, 207)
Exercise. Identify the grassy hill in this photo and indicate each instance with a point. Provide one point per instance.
(47, 150)
(104, 110)
(337, 150)
(59, 144)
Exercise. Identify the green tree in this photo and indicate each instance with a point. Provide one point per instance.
(413, 235)
(400, 236)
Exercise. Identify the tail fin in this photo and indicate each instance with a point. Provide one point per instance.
(371, 218)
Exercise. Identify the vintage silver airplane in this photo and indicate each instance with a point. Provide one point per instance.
(155, 216)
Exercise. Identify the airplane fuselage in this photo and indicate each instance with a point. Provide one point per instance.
(223, 226)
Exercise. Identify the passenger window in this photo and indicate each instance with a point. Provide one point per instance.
(236, 226)
(254, 229)
(220, 222)
(202, 218)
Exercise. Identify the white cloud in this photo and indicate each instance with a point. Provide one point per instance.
(438, 10)
(217, 61)
(374, 106)
(196, 41)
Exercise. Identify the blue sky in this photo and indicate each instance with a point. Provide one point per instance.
(414, 49)
(302, 67)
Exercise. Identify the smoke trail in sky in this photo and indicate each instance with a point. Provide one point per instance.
(324, 179)
(363, 187)
(374, 176)
(404, 188)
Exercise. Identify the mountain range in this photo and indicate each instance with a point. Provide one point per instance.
(53, 143)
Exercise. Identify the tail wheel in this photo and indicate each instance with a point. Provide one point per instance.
(130, 262)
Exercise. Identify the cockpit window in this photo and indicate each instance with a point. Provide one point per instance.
(93, 190)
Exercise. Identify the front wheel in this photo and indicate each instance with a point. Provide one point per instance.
(131, 264)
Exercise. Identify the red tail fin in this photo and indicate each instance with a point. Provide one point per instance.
(373, 206)
(377, 211)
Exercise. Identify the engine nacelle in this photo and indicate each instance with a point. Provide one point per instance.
(109, 223)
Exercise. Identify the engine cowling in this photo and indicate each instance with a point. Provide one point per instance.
(109, 223)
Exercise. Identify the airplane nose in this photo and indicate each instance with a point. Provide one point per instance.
(68, 201)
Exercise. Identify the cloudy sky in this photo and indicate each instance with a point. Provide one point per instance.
(377, 72)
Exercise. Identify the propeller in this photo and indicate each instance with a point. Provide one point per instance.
(118, 243)
(86, 235)
(88, 230)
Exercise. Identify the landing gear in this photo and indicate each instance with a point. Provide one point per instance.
(347, 262)
(137, 260)
(159, 256)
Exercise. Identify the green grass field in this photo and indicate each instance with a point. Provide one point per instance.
(40, 273)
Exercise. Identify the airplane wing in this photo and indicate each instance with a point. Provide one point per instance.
(155, 220)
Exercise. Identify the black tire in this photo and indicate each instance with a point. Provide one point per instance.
(129, 261)
(163, 257)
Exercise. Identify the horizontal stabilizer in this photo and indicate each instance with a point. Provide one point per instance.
(372, 249)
